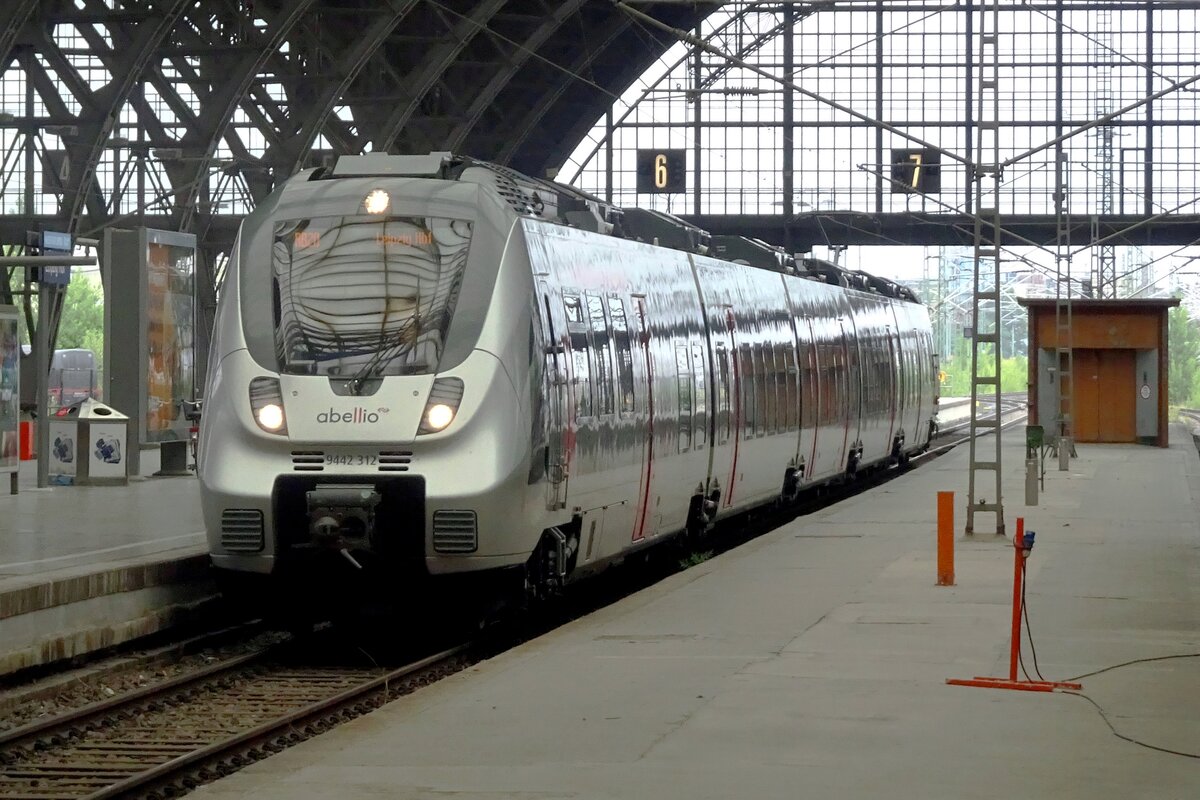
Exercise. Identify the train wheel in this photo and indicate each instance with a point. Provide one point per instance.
(701, 512)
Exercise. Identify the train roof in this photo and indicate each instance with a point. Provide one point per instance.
(567, 205)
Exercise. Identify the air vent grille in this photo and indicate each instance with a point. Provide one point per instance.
(242, 530)
(394, 460)
(308, 460)
(455, 532)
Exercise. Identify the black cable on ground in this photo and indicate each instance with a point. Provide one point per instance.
(1028, 630)
(1130, 739)
(1021, 661)
(1097, 706)
(1134, 661)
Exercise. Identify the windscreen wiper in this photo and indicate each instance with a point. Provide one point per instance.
(384, 356)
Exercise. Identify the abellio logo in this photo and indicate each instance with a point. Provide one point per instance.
(355, 416)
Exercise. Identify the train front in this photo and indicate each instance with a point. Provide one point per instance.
(358, 408)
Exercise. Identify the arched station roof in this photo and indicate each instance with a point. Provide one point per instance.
(202, 105)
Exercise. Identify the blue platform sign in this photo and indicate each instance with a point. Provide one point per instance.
(56, 242)
(55, 275)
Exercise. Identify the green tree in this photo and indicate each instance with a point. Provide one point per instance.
(1183, 370)
(1014, 371)
(82, 322)
(83, 317)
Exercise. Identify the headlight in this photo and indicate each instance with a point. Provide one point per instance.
(270, 417)
(266, 403)
(439, 416)
(377, 201)
(442, 405)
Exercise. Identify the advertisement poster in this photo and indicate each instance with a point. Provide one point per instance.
(169, 337)
(10, 395)
(106, 450)
(62, 451)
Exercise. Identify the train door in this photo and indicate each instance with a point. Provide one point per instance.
(849, 387)
(726, 404)
(897, 385)
(642, 526)
(809, 394)
(554, 389)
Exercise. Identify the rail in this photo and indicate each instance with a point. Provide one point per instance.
(202, 725)
(197, 727)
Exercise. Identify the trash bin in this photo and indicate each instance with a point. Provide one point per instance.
(88, 445)
(1034, 439)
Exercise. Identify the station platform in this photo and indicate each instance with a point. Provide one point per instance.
(811, 662)
(87, 567)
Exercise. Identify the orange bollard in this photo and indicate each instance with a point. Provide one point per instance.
(945, 539)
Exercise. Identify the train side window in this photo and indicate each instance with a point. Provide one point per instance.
(791, 389)
(625, 382)
(581, 373)
(574, 309)
(683, 374)
(723, 411)
(870, 375)
(749, 409)
(771, 384)
(602, 351)
(825, 353)
(838, 401)
(763, 389)
(700, 369)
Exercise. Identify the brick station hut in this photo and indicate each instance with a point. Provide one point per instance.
(1120, 365)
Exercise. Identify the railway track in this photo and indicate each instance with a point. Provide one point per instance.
(164, 740)
(1010, 403)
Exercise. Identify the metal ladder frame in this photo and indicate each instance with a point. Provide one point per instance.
(986, 171)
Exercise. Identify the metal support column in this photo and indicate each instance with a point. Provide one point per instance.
(697, 128)
(1064, 359)
(985, 297)
(1105, 280)
(788, 161)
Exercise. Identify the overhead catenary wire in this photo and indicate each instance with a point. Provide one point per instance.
(1102, 46)
(697, 42)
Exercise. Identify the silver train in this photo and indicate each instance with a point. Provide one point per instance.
(433, 362)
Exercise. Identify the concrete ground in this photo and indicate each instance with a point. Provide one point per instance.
(812, 661)
(87, 567)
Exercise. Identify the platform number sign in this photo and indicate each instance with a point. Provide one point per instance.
(661, 171)
(916, 171)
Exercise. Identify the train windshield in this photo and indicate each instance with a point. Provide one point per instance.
(361, 296)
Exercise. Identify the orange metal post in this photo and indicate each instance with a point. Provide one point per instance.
(1018, 557)
(945, 539)
(1012, 682)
